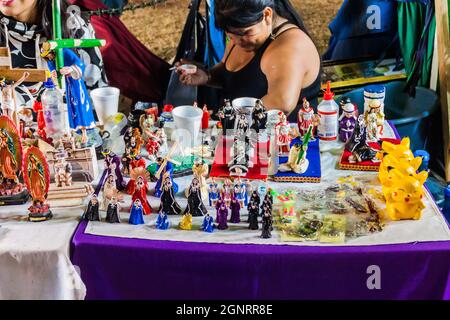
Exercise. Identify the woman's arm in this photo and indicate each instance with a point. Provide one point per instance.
(286, 76)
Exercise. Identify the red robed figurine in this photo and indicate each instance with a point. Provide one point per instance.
(138, 186)
(205, 118)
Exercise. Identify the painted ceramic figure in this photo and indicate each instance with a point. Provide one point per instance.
(168, 167)
(259, 116)
(242, 125)
(358, 144)
(227, 192)
(208, 223)
(266, 225)
(91, 212)
(80, 110)
(137, 161)
(200, 171)
(8, 161)
(138, 187)
(186, 222)
(222, 215)
(347, 122)
(374, 120)
(169, 204)
(306, 118)
(8, 103)
(195, 205)
(253, 211)
(152, 146)
(213, 192)
(136, 213)
(240, 192)
(235, 208)
(227, 115)
(112, 212)
(112, 166)
(162, 221)
(37, 179)
(126, 161)
(205, 118)
(283, 134)
(110, 191)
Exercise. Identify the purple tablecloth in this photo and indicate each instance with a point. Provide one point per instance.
(119, 268)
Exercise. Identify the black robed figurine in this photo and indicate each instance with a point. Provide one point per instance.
(253, 210)
(195, 204)
(169, 204)
(112, 213)
(266, 225)
(227, 115)
(91, 212)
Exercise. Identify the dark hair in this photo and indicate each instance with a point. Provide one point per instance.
(45, 17)
(244, 13)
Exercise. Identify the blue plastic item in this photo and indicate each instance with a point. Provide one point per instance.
(411, 116)
(446, 208)
(425, 158)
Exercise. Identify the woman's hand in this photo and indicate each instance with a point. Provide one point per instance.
(199, 78)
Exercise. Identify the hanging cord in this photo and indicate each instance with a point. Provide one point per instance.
(128, 7)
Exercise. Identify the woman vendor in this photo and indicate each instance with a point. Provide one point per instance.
(26, 24)
(269, 56)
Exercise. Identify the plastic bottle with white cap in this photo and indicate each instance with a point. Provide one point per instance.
(328, 112)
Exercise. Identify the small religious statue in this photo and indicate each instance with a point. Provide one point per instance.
(128, 135)
(297, 161)
(208, 223)
(136, 211)
(126, 162)
(347, 121)
(259, 116)
(235, 208)
(241, 154)
(241, 125)
(213, 192)
(306, 118)
(110, 191)
(222, 215)
(266, 225)
(283, 134)
(227, 192)
(240, 192)
(112, 212)
(200, 170)
(254, 198)
(227, 115)
(112, 166)
(165, 165)
(63, 169)
(137, 161)
(169, 204)
(91, 212)
(11, 191)
(80, 110)
(162, 221)
(147, 121)
(138, 186)
(152, 146)
(358, 144)
(135, 142)
(195, 205)
(8, 102)
(205, 117)
(37, 179)
(253, 211)
(186, 222)
(374, 119)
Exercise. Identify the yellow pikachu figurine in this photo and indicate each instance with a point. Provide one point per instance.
(405, 167)
(400, 151)
(404, 197)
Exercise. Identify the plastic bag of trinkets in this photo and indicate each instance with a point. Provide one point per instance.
(306, 228)
(333, 229)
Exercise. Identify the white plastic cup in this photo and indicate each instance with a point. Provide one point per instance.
(189, 68)
(106, 102)
(187, 121)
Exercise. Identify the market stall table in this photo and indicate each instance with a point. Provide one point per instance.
(126, 267)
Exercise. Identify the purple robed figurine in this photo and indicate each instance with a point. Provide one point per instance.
(222, 214)
(235, 211)
(347, 122)
(112, 166)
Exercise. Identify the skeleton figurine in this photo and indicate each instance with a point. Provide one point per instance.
(63, 169)
(227, 115)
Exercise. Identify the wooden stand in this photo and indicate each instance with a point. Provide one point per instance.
(70, 196)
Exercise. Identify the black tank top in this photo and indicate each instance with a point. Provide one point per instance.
(250, 81)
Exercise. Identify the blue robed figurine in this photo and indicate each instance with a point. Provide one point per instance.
(162, 222)
(79, 107)
(168, 168)
(208, 223)
(136, 213)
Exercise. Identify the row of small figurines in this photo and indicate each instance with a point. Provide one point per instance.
(195, 207)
